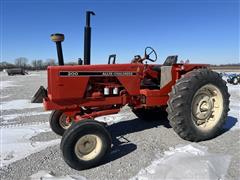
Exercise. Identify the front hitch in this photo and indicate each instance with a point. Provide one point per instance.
(39, 95)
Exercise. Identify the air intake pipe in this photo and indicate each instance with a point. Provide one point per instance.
(58, 38)
(87, 39)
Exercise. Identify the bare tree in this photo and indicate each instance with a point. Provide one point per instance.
(6, 65)
(34, 64)
(39, 64)
(71, 63)
(21, 62)
(50, 62)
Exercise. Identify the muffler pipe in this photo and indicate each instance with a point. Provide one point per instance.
(58, 38)
(87, 39)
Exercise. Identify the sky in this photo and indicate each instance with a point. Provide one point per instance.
(204, 31)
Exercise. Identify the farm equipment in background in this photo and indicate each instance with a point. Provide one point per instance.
(233, 79)
(15, 71)
(195, 98)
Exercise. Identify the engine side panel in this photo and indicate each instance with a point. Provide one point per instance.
(71, 82)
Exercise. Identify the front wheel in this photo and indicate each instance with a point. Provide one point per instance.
(85, 144)
(198, 105)
(58, 122)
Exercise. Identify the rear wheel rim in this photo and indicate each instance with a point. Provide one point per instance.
(207, 107)
(63, 122)
(88, 147)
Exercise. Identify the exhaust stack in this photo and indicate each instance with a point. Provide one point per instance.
(87, 39)
(58, 38)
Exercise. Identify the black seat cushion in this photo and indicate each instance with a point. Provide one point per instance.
(170, 61)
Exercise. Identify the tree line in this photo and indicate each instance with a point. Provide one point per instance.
(24, 63)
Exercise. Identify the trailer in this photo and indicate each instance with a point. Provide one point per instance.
(16, 71)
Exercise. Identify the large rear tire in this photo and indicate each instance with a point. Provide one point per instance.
(58, 122)
(198, 105)
(85, 144)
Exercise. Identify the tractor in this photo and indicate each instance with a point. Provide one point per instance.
(195, 98)
(233, 79)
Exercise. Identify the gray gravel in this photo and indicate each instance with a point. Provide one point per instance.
(135, 143)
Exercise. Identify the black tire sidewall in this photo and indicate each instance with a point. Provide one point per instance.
(72, 135)
(195, 86)
(180, 104)
(54, 122)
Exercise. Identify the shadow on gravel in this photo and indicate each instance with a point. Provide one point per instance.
(136, 125)
(120, 151)
(121, 145)
(229, 124)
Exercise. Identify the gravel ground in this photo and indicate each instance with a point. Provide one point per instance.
(136, 143)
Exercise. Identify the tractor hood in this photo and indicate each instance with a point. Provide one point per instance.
(70, 82)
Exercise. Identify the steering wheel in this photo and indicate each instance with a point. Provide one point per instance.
(148, 51)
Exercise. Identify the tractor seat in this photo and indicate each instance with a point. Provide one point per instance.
(168, 62)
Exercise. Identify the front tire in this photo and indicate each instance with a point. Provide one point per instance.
(85, 144)
(58, 122)
(198, 105)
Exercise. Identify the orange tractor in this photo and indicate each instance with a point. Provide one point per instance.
(195, 98)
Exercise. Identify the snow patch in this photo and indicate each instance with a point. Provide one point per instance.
(19, 104)
(187, 162)
(115, 118)
(33, 74)
(15, 142)
(6, 84)
(14, 116)
(234, 113)
(125, 114)
(46, 175)
(3, 97)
